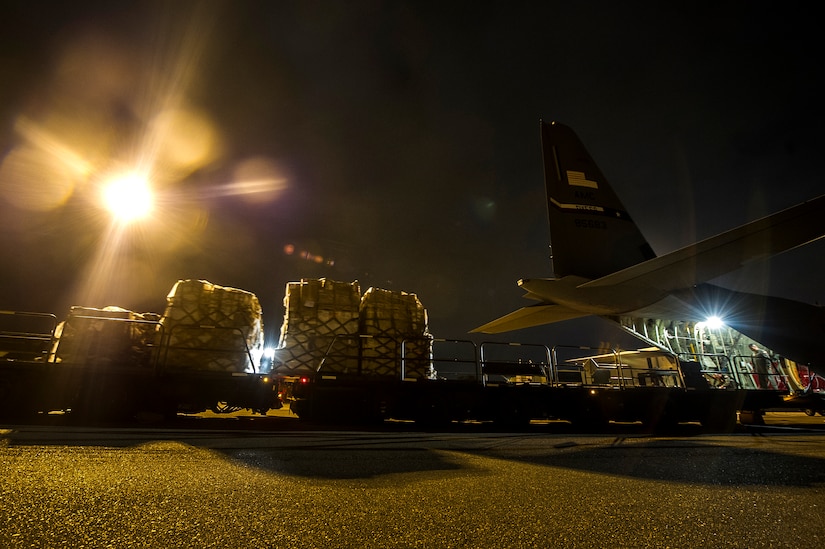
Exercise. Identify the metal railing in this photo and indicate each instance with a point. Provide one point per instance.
(228, 352)
(715, 369)
(581, 365)
(761, 373)
(514, 363)
(588, 366)
(378, 356)
(101, 341)
(26, 336)
(456, 360)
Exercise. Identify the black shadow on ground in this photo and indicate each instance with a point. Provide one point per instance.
(682, 461)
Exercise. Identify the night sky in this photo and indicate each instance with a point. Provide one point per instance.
(394, 143)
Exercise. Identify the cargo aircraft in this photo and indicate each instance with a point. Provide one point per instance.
(604, 266)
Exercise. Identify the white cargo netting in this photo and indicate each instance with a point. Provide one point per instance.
(211, 327)
(319, 313)
(330, 321)
(393, 319)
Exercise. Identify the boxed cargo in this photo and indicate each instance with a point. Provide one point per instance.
(212, 327)
(392, 313)
(329, 325)
(111, 336)
(321, 322)
(398, 340)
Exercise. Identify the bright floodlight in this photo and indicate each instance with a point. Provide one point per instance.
(128, 197)
(714, 322)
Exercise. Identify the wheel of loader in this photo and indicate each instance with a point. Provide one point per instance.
(17, 412)
(720, 420)
(660, 416)
(591, 420)
(513, 421)
(751, 417)
(513, 417)
(104, 404)
(14, 404)
(431, 415)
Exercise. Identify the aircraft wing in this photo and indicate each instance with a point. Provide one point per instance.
(725, 252)
(527, 317)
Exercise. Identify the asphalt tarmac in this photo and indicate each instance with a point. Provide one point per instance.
(250, 482)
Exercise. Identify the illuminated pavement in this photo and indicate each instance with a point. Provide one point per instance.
(65, 486)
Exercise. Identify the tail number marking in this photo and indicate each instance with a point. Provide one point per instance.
(590, 224)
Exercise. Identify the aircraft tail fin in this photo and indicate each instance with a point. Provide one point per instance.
(591, 233)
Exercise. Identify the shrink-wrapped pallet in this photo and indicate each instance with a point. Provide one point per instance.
(106, 337)
(320, 323)
(399, 341)
(211, 327)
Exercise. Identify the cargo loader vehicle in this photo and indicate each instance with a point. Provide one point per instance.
(347, 357)
(108, 364)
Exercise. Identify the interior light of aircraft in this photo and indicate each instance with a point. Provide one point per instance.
(714, 322)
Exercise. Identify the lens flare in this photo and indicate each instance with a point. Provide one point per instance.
(714, 323)
(128, 197)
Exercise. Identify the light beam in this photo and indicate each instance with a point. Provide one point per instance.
(128, 197)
